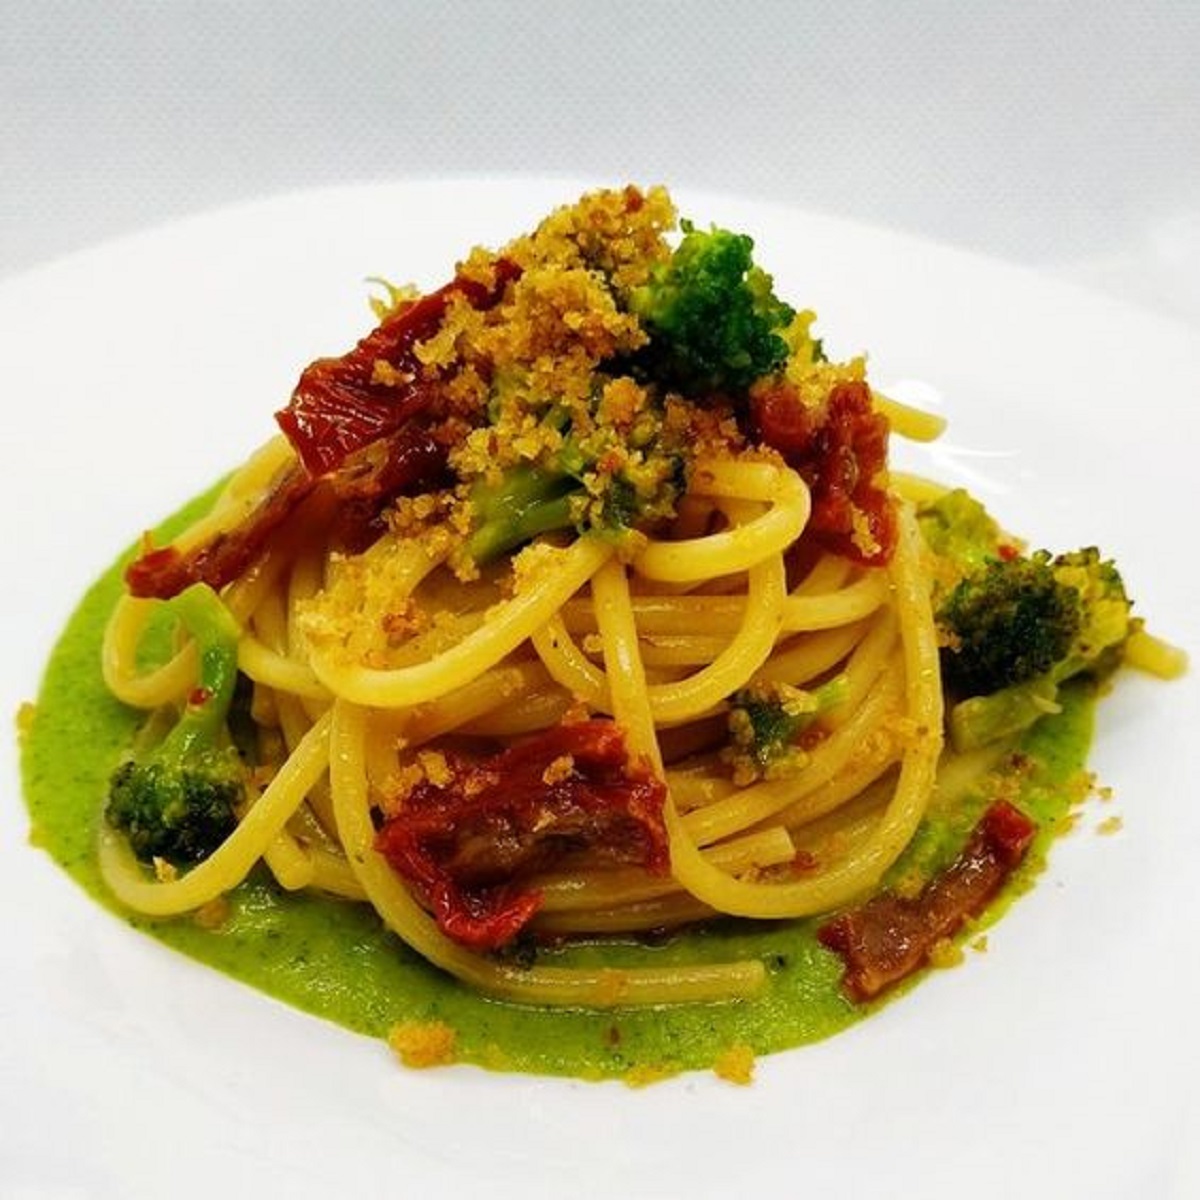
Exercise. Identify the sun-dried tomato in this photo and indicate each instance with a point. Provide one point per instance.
(841, 452)
(471, 842)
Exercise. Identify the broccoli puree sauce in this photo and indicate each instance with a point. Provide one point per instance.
(333, 959)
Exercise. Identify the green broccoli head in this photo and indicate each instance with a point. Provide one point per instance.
(1005, 623)
(711, 315)
(178, 813)
(766, 721)
(1019, 629)
(179, 800)
(1106, 621)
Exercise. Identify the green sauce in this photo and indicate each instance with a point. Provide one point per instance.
(334, 959)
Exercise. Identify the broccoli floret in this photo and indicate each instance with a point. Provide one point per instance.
(1107, 613)
(765, 721)
(179, 801)
(711, 315)
(1101, 626)
(1005, 623)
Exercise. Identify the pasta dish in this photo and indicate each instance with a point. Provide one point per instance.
(577, 604)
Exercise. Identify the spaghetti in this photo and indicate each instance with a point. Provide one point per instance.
(511, 597)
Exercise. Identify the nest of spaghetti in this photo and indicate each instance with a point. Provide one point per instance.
(575, 600)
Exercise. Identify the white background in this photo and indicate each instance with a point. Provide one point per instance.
(1063, 135)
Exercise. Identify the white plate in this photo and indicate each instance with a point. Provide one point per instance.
(1061, 1063)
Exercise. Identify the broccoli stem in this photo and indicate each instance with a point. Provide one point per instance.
(216, 634)
(981, 720)
(528, 501)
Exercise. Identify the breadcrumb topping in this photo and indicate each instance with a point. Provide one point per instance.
(736, 1065)
(547, 404)
(422, 1044)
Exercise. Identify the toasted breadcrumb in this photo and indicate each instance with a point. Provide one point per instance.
(164, 871)
(945, 953)
(1081, 785)
(386, 375)
(214, 914)
(428, 766)
(422, 1044)
(736, 1064)
(814, 381)
(560, 769)
(24, 718)
(616, 232)
(535, 564)
(435, 768)
(648, 1074)
(910, 884)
